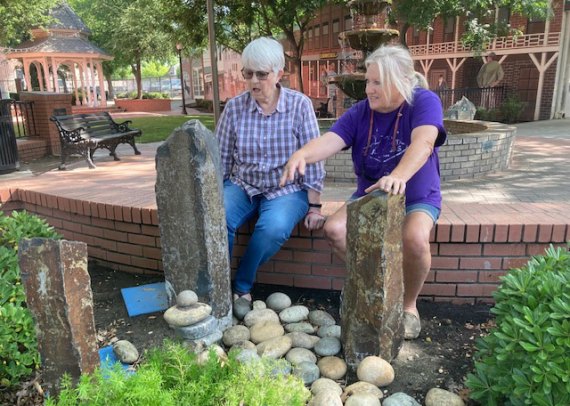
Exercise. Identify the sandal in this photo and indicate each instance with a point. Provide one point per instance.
(412, 326)
(244, 296)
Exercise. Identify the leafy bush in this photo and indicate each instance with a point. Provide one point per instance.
(511, 109)
(486, 115)
(525, 360)
(171, 376)
(155, 95)
(18, 347)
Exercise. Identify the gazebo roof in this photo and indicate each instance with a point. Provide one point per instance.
(65, 18)
(59, 45)
(67, 35)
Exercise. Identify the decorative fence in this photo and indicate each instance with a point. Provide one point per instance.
(487, 97)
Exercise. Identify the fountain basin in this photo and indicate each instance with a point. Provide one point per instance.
(368, 39)
(473, 149)
(352, 84)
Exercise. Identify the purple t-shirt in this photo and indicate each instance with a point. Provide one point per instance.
(388, 144)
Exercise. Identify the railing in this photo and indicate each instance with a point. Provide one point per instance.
(487, 97)
(551, 39)
(23, 118)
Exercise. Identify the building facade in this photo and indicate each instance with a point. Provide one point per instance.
(536, 64)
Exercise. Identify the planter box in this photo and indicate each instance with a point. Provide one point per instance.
(144, 105)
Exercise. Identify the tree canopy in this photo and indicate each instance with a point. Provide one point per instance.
(481, 26)
(18, 16)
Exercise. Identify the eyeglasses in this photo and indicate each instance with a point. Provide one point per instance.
(248, 74)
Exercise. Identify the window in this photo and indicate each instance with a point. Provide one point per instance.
(347, 23)
(504, 15)
(336, 26)
(449, 29)
(415, 36)
(535, 26)
(325, 41)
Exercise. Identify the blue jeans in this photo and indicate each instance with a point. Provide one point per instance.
(276, 220)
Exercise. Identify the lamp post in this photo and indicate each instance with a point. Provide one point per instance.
(179, 49)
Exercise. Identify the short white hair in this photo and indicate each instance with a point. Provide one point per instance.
(396, 68)
(263, 54)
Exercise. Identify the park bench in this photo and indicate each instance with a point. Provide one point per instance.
(85, 133)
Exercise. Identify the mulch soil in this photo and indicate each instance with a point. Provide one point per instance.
(440, 357)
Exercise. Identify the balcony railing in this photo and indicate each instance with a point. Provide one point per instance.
(501, 43)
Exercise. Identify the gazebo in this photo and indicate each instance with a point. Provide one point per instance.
(61, 56)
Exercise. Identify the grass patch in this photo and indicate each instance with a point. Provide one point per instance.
(156, 129)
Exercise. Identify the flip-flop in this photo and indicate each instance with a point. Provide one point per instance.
(412, 326)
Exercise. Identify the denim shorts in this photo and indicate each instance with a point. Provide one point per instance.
(428, 209)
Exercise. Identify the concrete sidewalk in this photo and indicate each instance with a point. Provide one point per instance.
(538, 171)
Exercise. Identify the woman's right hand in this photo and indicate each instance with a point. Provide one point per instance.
(295, 164)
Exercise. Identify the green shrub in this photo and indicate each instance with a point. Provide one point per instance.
(171, 376)
(525, 360)
(18, 347)
(486, 115)
(511, 109)
(155, 95)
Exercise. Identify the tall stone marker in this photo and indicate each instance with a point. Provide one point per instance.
(373, 294)
(58, 293)
(192, 218)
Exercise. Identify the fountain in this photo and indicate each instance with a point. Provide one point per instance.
(369, 32)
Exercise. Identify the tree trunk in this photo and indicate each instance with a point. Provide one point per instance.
(110, 87)
(136, 69)
(403, 31)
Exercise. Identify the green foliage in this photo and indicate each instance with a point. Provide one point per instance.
(155, 69)
(156, 95)
(145, 95)
(486, 114)
(525, 360)
(171, 376)
(18, 347)
(511, 109)
(19, 16)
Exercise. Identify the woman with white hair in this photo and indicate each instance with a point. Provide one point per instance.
(394, 134)
(258, 131)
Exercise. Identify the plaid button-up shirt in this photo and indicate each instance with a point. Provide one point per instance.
(255, 147)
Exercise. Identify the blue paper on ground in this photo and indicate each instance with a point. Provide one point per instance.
(108, 359)
(145, 299)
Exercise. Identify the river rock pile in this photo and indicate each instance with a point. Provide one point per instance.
(192, 320)
(308, 340)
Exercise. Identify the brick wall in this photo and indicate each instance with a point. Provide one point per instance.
(468, 259)
(32, 148)
(44, 105)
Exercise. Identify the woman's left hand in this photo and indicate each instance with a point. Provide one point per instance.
(314, 220)
(389, 184)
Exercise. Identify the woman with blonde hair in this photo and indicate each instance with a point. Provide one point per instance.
(394, 134)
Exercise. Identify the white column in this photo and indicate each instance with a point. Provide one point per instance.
(27, 74)
(48, 82)
(74, 78)
(55, 67)
(102, 84)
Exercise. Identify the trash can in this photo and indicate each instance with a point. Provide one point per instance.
(8, 147)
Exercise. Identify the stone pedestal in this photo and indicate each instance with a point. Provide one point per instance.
(58, 293)
(372, 298)
(192, 218)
